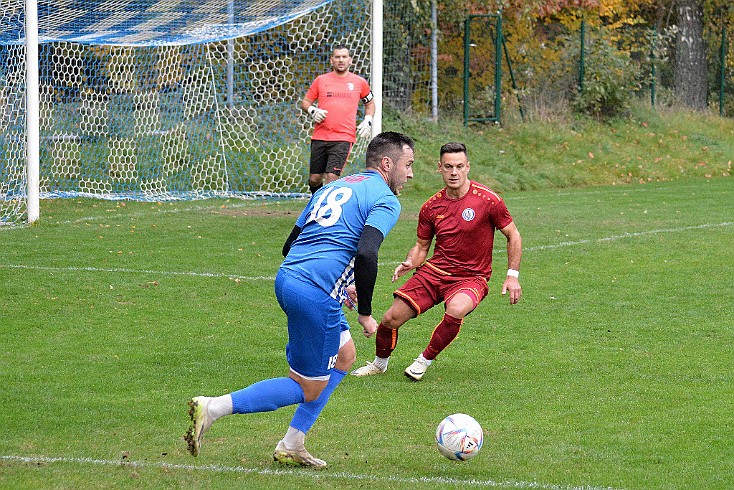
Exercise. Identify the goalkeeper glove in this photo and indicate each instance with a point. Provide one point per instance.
(365, 127)
(317, 114)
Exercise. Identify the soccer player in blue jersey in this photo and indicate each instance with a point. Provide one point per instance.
(330, 259)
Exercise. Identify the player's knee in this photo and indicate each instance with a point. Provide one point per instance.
(345, 360)
(310, 396)
(391, 319)
(347, 355)
(459, 310)
(460, 306)
(311, 391)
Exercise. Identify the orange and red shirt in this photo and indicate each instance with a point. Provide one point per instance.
(464, 230)
(340, 96)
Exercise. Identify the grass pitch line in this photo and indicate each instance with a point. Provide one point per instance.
(139, 271)
(538, 248)
(316, 475)
(627, 235)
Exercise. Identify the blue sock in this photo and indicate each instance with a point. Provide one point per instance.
(307, 413)
(267, 395)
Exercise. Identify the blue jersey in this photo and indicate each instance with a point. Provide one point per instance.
(331, 226)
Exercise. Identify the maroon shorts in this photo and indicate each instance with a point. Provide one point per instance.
(428, 287)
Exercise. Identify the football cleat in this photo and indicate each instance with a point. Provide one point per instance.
(200, 423)
(416, 370)
(368, 370)
(299, 457)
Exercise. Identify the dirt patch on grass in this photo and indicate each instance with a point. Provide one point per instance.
(256, 213)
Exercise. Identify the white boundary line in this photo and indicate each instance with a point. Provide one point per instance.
(628, 235)
(138, 271)
(538, 248)
(234, 203)
(161, 210)
(316, 475)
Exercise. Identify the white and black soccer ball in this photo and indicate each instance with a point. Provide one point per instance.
(459, 437)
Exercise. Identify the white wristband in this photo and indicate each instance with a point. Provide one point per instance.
(513, 273)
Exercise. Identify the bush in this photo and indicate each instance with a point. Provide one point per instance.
(610, 81)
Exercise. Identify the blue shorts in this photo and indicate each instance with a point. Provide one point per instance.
(315, 323)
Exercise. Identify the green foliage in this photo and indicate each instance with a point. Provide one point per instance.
(647, 146)
(610, 80)
(539, 35)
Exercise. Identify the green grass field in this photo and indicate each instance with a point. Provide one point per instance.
(614, 370)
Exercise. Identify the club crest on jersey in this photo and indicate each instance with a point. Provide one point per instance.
(351, 86)
(468, 214)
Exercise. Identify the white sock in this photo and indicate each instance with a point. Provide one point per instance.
(294, 438)
(381, 362)
(220, 406)
(427, 361)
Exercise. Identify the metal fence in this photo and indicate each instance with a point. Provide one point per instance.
(552, 62)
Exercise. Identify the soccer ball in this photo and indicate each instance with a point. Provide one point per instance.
(459, 437)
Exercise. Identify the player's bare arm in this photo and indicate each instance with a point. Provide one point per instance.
(364, 129)
(369, 108)
(369, 325)
(514, 255)
(351, 299)
(306, 103)
(416, 256)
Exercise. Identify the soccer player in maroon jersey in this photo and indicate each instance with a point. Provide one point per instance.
(338, 93)
(462, 217)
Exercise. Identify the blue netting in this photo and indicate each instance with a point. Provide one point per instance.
(153, 22)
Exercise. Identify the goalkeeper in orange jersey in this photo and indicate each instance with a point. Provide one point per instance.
(338, 94)
(463, 217)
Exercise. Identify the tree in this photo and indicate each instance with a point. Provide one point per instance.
(690, 82)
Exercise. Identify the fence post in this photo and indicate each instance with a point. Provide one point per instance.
(498, 69)
(722, 64)
(467, 44)
(581, 56)
(653, 70)
(434, 61)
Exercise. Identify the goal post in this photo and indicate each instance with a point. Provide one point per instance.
(159, 100)
(32, 112)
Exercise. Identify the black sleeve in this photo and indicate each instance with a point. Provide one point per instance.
(365, 267)
(291, 238)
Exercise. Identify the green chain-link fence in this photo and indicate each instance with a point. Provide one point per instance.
(572, 61)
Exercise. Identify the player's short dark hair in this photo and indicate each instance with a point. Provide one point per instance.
(341, 46)
(454, 147)
(387, 144)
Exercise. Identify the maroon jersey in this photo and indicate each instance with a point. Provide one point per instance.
(464, 230)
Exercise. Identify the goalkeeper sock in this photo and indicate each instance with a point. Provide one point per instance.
(444, 333)
(314, 188)
(307, 413)
(267, 395)
(385, 341)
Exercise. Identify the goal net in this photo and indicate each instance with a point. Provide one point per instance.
(170, 99)
(13, 184)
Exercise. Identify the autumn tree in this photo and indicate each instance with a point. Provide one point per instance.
(690, 73)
